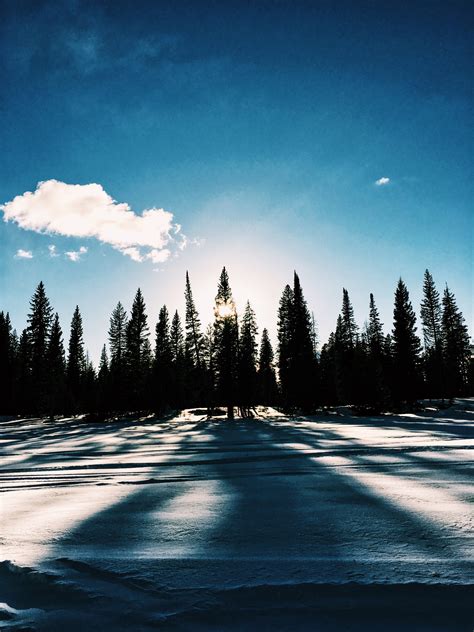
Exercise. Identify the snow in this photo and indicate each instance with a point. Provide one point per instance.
(272, 523)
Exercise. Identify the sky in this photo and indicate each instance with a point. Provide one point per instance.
(143, 139)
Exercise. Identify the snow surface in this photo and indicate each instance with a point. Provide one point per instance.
(329, 522)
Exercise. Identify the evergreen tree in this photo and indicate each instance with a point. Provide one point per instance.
(56, 390)
(247, 361)
(376, 391)
(194, 338)
(456, 346)
(349, 356)
(163, 362)
(285, 336)
(177, 361)
(303, 385)
(431, 318)
(267, 384)
(328, 376)
(118, 348)
(7, 365)
(349, 326)
(104, 391)
(24, 398)
(39, 324)
(138, 354)
(225, 344)
(406, 348)
(76, 363)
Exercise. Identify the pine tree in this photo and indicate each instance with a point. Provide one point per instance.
(104, 392)
(162, 362)
(303, 366)
(7, 365)
(349, 326)
(349, 356)
(76, 363)
(456, 346)
(225, 344)
(177, 361)
(24, 400)
(247, 361)
(194, 364)
(376, 391)
(56, 390)
(138, 354)
(431, 318)
(194, 338)
(118, 348)
(39, 324)
(267, 384)
(285, 335)
(406, 348)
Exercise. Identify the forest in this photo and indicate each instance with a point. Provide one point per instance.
(227, 366)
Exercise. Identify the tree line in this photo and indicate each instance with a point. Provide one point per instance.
(226, 366)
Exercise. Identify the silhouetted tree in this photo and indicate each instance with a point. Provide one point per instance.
(303, 384)
(138, 354)
(406, 348)
(162, 362)
(118, 349)
(76, 363)
(177, 362)
(7, 365)
(456, 347)
(56, 388)
(377, 390)
(225, 344)
(39, 324)
(432, 334)
(105, 394)
(266, 378)
(285, 336)
(247, 361)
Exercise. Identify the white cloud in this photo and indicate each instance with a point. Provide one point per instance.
(23, 254)
(75, 255)
(76, 210)
(53, 252)
(382, 181)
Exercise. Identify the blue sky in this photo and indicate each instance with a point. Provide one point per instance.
(262, 127)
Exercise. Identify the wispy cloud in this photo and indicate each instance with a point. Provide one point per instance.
(75, 255)
(382, 181)
(23, 254)
(53, 251)
(76, 210)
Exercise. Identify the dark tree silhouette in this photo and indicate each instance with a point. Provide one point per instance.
(431, 316)
(39, 324)
(118, 348)
(76, 363)
(285, 335)
(406, 348)
(456, 347)
(225, 344)
(178, 394)
(162, 362)
(138, 354)
(266, 378)
(8, 352)
(247, 361)
(56, 389)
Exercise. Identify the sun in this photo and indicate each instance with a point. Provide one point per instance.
(225, 310)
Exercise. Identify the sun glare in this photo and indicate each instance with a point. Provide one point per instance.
(225, 310)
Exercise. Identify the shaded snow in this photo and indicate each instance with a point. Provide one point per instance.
(142, 523)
